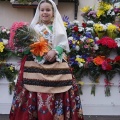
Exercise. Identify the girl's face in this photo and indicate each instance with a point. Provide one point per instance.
(46, 12)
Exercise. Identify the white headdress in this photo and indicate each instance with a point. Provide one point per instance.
(60, 36)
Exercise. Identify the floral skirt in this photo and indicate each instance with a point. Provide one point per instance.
(28, 105)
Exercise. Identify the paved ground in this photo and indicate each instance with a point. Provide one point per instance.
(5, 117)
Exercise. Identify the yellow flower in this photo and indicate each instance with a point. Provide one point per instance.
(78, 43)
(101, 5)
(85, 9)
(11, 68)
(111, 28)
(98, 27)
(1, 46)
(65, 24)
(91, 40)
(73, 41)
(107, 7)
(100, 13)
(80, 60)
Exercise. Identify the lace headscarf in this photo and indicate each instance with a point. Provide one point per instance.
(59, 32)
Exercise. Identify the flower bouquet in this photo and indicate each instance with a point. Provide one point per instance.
(105, 12)
(8, 71)
(4, 50)
(24, 40)
(100, 29)
(109, 72)
(21, 36)
(112, 31)
(88, 13)
(106, 44)
(4, 33)
(94, 71)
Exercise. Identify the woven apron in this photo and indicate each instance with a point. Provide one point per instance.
(47, 78)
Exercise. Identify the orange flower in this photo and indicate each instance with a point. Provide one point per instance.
(99, 60)
(40, 48)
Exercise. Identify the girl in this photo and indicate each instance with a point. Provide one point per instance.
(55, 96)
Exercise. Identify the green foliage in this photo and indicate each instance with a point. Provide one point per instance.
(5, 54)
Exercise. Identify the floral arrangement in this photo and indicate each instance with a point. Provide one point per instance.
(91, 44)
(6, 69)
(21, 36)
(21, 40)
(106, 12)
(4, 50)
(24, 40)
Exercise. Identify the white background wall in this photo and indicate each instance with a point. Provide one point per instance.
(92, 105)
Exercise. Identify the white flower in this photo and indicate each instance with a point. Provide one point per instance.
(117, 41)
(96, 38)
(90, 22)
(80, 64)
(95, 47)
(8, 32)
(83, 38)
(70, 38)
(3, 30)
(110, 12)
(77, 56)
(89, 29)
(107, 24)
(117, 5)
(77, 48)
(76, 21)
(104, 27)
(80, 29)
(5, 41)
(113, 13)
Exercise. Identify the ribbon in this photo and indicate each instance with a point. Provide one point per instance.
(107, 83)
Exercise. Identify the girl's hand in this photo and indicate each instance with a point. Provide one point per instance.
(50, 56)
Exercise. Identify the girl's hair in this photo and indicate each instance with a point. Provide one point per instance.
(46, 1)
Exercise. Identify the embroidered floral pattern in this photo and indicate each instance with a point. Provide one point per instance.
(61, 106)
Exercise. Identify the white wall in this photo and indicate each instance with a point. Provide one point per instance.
(92, 105)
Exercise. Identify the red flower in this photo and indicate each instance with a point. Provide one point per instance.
(109, 60)
(117, 58)
(75, 28)
(107, 41)
(84, 25)
(106, 65)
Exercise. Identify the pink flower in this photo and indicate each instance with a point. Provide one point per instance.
(106, 66)
(13, 29)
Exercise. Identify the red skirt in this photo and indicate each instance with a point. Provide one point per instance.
(28, 105)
